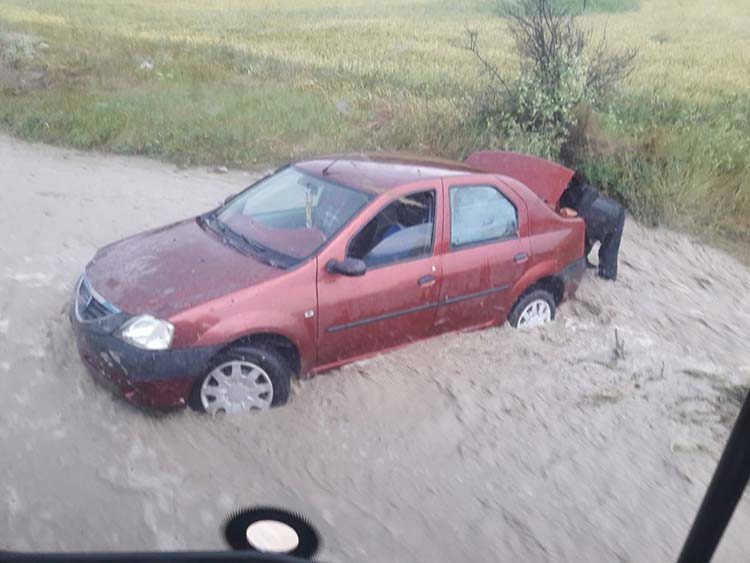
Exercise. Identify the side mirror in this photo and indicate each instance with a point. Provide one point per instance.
(346, 267)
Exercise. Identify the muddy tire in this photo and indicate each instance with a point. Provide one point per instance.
(534, 308)
(240, 379)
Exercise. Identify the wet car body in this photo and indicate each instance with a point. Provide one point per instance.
(216, 295)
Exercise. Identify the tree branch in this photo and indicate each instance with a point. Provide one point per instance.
(488, 67)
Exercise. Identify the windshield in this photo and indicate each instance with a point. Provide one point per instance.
(291, 213)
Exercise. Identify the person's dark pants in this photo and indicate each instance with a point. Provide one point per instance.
(605, 221)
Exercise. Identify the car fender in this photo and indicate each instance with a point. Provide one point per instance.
(284, 306)
(531, 276)
(277, 323)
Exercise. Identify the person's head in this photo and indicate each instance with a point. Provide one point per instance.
(577, 180)
(575, 188)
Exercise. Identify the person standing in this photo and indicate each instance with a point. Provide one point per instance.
(605, 220)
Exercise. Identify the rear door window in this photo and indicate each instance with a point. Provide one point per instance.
(480, 214)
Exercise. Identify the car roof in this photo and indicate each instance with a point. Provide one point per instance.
(381, 172)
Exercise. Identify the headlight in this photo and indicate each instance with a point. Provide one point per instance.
(147, 332)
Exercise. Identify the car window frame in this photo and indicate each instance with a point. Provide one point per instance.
(457, 247)
(381, 209)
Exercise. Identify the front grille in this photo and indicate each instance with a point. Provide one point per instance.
(90, 305)
(95, 310)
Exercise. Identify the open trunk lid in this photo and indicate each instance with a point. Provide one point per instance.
(547, 179)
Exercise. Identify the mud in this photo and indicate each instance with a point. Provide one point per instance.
(564, 444)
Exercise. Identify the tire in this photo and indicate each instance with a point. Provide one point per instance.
(272, 369)
(527, 299)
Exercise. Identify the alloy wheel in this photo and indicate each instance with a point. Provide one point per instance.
(536, 313)
(236, 386)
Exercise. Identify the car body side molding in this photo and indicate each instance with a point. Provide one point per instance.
(392, 314)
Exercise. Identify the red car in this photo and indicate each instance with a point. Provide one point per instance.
(321, 263)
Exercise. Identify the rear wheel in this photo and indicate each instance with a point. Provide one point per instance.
(535, 308)
(242, 379)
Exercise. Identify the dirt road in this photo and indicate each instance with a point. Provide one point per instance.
(556, 445)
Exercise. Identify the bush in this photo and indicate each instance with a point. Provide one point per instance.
(561, 68)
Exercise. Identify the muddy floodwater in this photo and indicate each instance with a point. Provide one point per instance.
(568, 443)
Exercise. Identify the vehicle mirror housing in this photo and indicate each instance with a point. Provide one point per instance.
(347, 267)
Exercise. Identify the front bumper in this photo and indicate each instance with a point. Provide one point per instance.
(159, 379)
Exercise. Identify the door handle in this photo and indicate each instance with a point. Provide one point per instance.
(521, 257)
(427, 280)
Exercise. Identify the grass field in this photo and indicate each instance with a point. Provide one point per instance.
(240, 82)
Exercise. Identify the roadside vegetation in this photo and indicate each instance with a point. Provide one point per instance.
(241, 83)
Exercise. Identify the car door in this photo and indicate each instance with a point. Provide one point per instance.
(485, 251)
(394, 302)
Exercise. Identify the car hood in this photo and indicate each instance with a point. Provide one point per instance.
(171, 269)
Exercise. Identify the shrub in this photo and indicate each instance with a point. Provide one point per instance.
(561, 67)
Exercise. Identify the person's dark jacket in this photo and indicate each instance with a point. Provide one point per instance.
(604, 219)
(580, 197)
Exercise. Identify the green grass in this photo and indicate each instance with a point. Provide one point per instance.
(240, 82)
(593, 6)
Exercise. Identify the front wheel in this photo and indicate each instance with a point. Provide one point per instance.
(242, 379)
(533, 309)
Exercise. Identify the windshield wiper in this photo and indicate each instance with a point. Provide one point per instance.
(211, 221)
(260, 250)
(238, 240)
(256, 246)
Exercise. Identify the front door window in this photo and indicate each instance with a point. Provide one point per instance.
(403, 230)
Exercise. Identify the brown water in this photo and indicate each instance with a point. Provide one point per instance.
(555, 445)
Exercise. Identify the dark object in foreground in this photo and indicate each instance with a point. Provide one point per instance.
(272, 529)
(282, 537)
(724, 492)
(145, 556)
